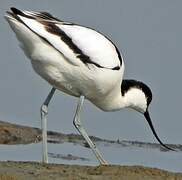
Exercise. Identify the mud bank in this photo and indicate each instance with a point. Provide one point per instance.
(31, 170)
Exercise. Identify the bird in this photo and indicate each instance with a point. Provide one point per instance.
(79, 61)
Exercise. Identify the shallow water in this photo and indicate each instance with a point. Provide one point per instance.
(60, 153)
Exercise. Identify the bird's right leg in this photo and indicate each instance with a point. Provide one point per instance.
(80, 128)
(44, 113)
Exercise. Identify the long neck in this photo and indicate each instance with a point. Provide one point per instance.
(113, 101)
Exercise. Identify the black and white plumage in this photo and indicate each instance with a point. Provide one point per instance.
(80, 62)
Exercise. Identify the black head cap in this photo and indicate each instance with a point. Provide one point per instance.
(130, 83)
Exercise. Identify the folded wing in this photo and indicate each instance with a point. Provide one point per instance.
(77, 43)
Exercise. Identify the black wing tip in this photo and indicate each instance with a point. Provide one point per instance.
(15, 10)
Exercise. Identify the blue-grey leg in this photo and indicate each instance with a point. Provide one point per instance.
(80, 128)
(44, 113)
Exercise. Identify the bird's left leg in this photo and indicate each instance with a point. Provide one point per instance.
(44, 113)
(82, 131)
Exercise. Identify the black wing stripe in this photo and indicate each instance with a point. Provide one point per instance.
(53, 29)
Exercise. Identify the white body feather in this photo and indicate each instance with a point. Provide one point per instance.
(61, 67)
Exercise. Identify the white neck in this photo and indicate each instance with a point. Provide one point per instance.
(112, 101)
(134, 98)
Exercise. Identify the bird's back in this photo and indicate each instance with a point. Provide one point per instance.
(75, 59)
(77, 43)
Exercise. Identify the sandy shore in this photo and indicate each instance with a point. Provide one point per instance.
(31, 170)
(17, 134)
